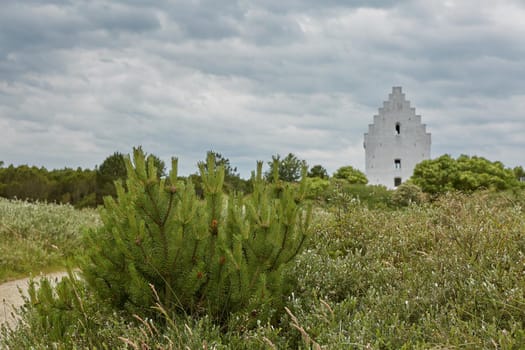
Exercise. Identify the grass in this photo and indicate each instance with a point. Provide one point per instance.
(38, 237)
(449, 274)
(444, 275)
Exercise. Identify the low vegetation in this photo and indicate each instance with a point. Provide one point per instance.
(36, 237)
(413, 272)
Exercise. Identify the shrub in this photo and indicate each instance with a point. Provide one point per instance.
(316, 187)
(466, 174)
(439, 275)
(213, 257)
(37, 237)
(351, 175)
(372, 196)
(445, 274)
(407, 194)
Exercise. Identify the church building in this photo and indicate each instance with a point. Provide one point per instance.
(395, 142)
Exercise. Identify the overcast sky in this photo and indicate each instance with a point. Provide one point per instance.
(80, 80)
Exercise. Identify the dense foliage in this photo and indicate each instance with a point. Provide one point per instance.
(233, 183)
(407, 194)
(384, 270)
(87, 188)
(335, 191)
(112, 169)
(37, 237)
(465, 174)
(215, 257)
(318, 171)
(446, 274)
(76, 187)
(289, 168)
(443, 275)
(351, 175)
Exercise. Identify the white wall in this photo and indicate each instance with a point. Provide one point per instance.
(383, 144)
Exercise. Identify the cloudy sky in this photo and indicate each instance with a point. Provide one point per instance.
(82, 79)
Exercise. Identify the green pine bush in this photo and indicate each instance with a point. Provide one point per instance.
(160, 245)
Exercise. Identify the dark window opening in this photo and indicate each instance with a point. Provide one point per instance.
(397, 163)
(397, 181)
(398, 128)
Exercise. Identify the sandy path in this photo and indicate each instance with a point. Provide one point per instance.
(10, 297)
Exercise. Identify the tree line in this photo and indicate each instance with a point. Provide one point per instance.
(87, 187)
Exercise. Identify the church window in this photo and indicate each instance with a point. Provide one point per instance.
(397, 181)
(398, 128)
(397, 163)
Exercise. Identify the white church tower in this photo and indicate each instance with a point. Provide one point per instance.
(395, 142)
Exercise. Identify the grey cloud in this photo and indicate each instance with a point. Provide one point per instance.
(206, 19)
(265, 20)
(332, 5)
(120, 18)
(251, 79)
(264, 28)
(27, 27)
(52, 26)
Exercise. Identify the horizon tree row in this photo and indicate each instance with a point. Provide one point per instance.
(87, 188)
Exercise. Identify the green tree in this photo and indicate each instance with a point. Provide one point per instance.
(350, 174)
(318, 171)
(159, 164)
(519, 173)
(465, 174)
(202, 257)
(113, 168)
(232, 179)
(220, 160)
(76, 187)
(25, 182)
(289, 168)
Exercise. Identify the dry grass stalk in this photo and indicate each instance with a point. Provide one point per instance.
(129, 342)
(306, 337)
(269, 342)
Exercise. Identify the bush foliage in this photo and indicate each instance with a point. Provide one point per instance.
(212, 257)
(465, 174)
(37, 237)
(351, 175)
(440, 274)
